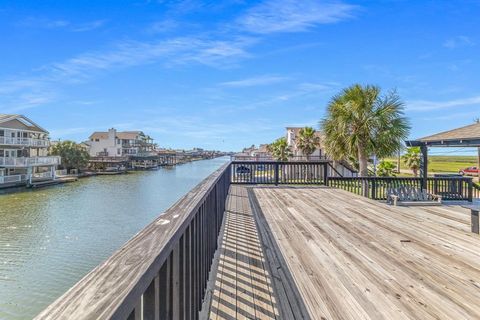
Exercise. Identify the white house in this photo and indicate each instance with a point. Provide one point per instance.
(23, 151)
(113, 143)
(342, 168)
(292, 137)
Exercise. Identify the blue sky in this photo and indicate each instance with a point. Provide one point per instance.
(227, 74)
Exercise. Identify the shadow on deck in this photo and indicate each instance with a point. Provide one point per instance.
(322, 253)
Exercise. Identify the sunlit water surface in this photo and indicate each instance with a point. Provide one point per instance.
(50, 238)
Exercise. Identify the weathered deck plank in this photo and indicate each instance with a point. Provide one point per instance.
(354, 258)
(242, 285)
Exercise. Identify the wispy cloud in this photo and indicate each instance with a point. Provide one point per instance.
(176, 51)
(293, 15)
(424, 105)
(47, 23)
(254, 81)
(44, 23)
(459, 41)
(89, 26)
(162, 26)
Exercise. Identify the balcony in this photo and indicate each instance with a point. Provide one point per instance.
(29, 142)
(29, 161)
(13, 179)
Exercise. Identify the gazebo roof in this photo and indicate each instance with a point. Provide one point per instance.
(467, 136)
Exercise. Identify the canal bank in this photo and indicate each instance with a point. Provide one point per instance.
(51, 237)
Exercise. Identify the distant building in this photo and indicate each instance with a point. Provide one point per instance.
(113, 143)
(23, 151)
(292, 138)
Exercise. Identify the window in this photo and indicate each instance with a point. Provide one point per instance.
(119, 151)
(97, 140)
(2, 133)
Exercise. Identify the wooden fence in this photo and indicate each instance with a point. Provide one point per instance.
(162, 272)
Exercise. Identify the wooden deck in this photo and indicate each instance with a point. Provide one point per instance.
(348, 258)
(242, 287)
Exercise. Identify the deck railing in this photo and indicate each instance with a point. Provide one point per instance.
(30, 142)
(162, 272)
(29, 161)
(269, 172)
(476, 190)
(13, 178)
(323, 173)
(454, 188)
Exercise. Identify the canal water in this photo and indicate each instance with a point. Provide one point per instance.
(50, 238)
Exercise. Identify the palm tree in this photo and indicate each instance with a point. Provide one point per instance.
(308, 141)
(413, 159)
(360, 122)
(280, 149)
(386, 169)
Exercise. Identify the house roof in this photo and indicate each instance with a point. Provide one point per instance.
(99, 135)
(127, 135)
(463, 136)
(24, 120)
(296, 130)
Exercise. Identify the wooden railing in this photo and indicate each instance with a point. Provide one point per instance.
(162, 272)
(455, 188)
(476, 190)
(268, 172)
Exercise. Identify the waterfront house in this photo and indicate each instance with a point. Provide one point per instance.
(292, 137)
(114, 149)
(23, 152)
(113, 143)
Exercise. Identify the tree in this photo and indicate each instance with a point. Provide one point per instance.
(361, 122)
(280, 149)
(308, 141)
(73, 155)
(413, 159)
(386, 169)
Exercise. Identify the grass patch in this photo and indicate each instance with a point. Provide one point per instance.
(445, 164)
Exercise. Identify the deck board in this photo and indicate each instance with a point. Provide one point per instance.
(243, 287)
(355, 258)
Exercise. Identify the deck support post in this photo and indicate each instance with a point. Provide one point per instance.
(424, 166)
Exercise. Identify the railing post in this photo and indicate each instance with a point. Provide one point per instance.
(276, 173)
(374, 188)
(470, 190)
(325, 174)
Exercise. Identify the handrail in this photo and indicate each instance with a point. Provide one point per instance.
(162, 271)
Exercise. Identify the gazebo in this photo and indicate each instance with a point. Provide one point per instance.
(467, 136)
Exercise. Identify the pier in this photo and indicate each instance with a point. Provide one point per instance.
(282, 241)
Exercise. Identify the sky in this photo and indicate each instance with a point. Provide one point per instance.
(227, 74)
